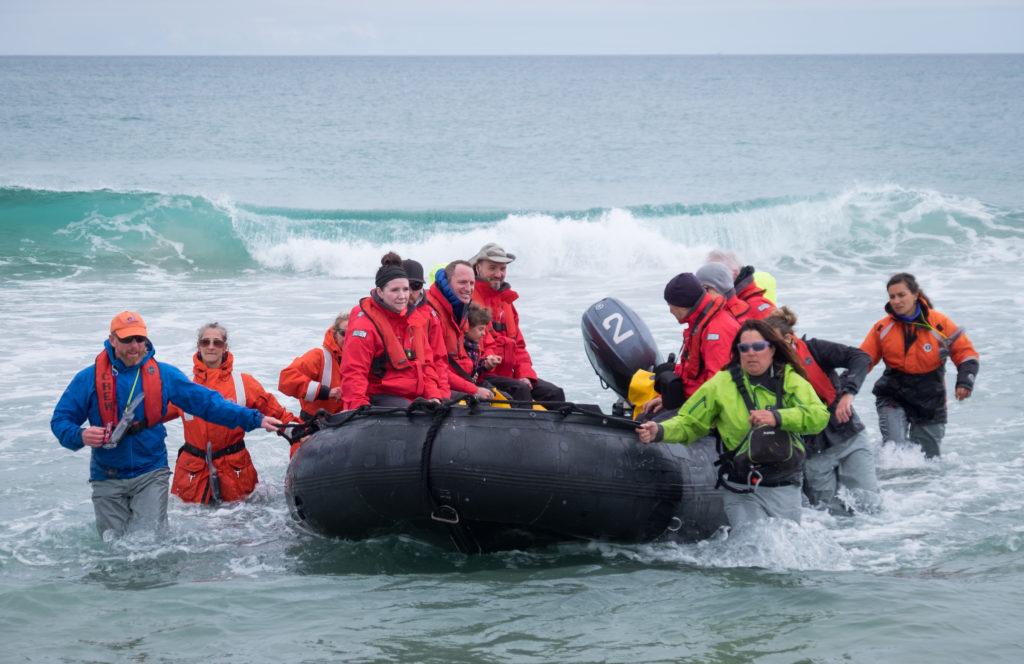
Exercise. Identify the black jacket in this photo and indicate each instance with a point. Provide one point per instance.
(831, 356)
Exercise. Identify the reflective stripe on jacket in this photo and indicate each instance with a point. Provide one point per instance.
(707, 342)
(146, 450)
(311, 376)
(241, 388)
(244, 390)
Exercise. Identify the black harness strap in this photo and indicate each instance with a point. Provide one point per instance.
(459, 371)
(441, 511)
(726, 457)
(195, 451)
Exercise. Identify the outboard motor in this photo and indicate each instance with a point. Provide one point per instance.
(618, 344)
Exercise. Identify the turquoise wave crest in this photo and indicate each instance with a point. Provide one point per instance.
(57, 233)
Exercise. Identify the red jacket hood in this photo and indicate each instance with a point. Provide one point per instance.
(697, 309)
(330, 343)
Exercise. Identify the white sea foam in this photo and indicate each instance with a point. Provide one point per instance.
(877, 220)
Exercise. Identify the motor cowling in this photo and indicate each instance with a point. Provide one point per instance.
(618, 343)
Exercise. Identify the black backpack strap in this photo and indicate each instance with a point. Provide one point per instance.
(458, 369)
(737, 377)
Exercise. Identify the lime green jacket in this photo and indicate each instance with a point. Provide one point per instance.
(717, 403)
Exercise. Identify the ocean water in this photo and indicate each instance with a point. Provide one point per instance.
(262, 192)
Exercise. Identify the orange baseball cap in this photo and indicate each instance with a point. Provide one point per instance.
(128, 324)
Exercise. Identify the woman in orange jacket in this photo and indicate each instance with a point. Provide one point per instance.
(214, 465)
(388, 359)
(914, 341)
(314, 378)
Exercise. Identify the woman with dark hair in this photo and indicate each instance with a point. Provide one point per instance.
(914, 341)
(839, 455)
(388, 359)
(761, 404)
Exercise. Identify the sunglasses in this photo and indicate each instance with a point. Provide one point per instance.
(139, 339)
(216, 343)
(340, 333)
(755, 347)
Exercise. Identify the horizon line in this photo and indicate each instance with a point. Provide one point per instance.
(498, 55)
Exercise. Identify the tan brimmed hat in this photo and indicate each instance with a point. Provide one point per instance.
(492, 252)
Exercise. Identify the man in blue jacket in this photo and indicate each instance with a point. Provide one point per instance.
(128, 472)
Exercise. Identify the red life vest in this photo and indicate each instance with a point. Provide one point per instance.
(397, 353)
(818, 379)
(106, 390)
(691, 361)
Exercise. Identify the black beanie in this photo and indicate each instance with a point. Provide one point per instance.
(413, 270)
(684, 290)
(387, 273)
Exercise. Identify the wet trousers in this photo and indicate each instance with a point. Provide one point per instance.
(850, 464)
(895, 427)
(782, 502)
(139, 503)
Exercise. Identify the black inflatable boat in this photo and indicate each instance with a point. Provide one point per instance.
(484, 479)
(479, 478)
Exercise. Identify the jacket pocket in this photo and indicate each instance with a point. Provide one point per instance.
(237, 475)
(191, 479)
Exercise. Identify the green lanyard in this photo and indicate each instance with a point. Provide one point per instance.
(134, 384)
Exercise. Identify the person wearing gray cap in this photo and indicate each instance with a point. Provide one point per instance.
(493, 292)
(717, 278)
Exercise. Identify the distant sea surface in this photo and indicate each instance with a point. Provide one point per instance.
(262, 192)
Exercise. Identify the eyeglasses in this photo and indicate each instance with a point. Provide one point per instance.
(755, 347)
(340, 333)
(216, 343)
(138, 339)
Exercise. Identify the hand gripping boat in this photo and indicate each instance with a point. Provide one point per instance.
(477, 478)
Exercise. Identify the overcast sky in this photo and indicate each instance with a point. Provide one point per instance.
(432, 27)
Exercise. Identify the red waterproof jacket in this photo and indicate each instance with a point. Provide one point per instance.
(753, 295)
(230, 457)
(458, 364)
(506, 336)
(386, 353)
(707, 342)
(739, 309)
(435, 339)
(310, 377)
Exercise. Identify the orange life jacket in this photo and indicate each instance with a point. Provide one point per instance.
(198, 431)
(106, 390)
(818, 379)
